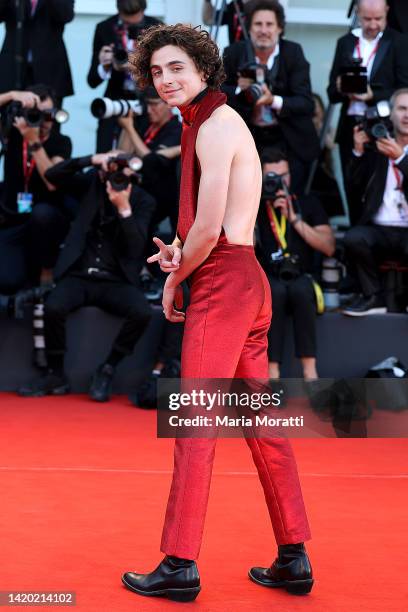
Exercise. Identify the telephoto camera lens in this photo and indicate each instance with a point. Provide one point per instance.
(104, 108)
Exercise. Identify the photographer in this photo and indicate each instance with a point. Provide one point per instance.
(114, 38)
(268, 84)
(34, 217)
(291, 231)
(99, 265)
(379, 176)
(43, 52)
(230, 18)
(159, 147)
(383, 55)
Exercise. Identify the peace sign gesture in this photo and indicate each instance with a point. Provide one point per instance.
(168, 257)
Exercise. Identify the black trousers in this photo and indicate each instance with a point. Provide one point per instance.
(121, 299)
(368, 245)
(297, 298)
(31, 246)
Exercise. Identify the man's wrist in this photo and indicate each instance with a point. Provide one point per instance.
(34, 145)
(125, 212)
(296, 219)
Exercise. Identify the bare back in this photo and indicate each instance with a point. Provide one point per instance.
(245, 173)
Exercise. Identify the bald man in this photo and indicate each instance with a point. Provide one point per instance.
(384, 52)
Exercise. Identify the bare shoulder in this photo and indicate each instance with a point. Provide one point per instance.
(224, 123)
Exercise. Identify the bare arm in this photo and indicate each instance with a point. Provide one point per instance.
(319, 237)
(138, 146)
(215, 149)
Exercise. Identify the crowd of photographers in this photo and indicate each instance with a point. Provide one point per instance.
(77, 231)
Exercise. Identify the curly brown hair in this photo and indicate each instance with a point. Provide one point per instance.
(193, 40)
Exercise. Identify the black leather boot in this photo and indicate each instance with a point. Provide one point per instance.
(176, 579)
(291, 571)
(101, 384)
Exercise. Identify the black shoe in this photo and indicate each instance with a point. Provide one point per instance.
(176, 579)
(101, 384)
(291, 571)
(47, 384)
(366, 306)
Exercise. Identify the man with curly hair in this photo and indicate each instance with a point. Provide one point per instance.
(219, 198)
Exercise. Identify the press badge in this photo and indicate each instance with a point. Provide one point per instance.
(24, 202)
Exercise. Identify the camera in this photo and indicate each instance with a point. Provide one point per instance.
(272, 183)
(13, 305)
(353, 77)
(286, 266)
(104, 108)
(256, 72)
(132, 31)
(116, 175)
(34, 116)
(376, 122)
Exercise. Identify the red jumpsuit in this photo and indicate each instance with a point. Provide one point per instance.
(225, 336)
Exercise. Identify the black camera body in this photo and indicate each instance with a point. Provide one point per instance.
(256, 72)
(133, 31)
(35, 117)
(353, 77)
(272, 183)
(286, 266)
(118, 179)
(376, 122)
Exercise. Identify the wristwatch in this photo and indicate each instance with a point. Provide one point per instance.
(35, 146)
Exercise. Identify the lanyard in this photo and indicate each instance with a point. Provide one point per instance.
(151, 134)
(398, 177)
(278, 229)
(237, 28)
(370, 57)
(28, 166)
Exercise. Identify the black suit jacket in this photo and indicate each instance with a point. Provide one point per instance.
(292, 83)
(389, 71)
(43, 35)
(131, 232)
(398, 15)
(105, 34)
(367, 176)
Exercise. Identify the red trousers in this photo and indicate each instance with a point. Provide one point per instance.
(225, 336)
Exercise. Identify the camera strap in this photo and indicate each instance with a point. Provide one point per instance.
(278, 229)
(28, 165)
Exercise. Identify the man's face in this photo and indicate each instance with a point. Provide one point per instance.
(399, 115)
(132, 19)
(158, 111)
(175, 76)
(372, 15)
(264, 30)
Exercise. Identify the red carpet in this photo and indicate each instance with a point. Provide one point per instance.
(84, 488)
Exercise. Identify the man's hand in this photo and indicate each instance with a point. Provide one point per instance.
(26, 98)
(102, 159)
(244, 83)
(389, 147)
(267, 97)
(172, 299)
(106, 56)
(169, 256)
(360, 139)
(366, 97)
(120, 199)
(127, 122)
(30, 134)
(284, 204)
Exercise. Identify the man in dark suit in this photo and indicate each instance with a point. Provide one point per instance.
(44, 57)
(282, 115)
(113, 36)
(384, 53)
(380, 178)
(398, 15)
(99, 265)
